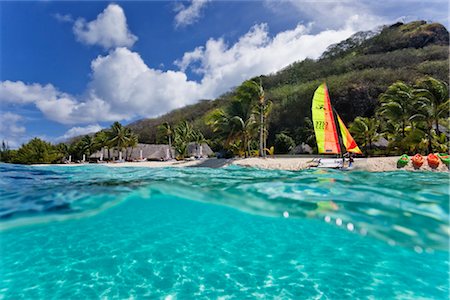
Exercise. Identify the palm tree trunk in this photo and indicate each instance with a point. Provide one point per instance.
(261, 131)
(436, 123)
(430, 136)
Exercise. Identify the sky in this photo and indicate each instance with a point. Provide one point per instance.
(69, 68)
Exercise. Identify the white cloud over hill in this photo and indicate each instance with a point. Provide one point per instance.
(77, 131)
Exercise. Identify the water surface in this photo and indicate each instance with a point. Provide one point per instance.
(95, 231)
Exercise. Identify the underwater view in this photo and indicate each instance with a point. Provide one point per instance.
(231, 233)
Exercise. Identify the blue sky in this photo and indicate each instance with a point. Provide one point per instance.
(70, 68)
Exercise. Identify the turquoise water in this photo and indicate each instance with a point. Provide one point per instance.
(97, 232)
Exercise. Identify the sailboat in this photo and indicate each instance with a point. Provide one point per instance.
(330, 139)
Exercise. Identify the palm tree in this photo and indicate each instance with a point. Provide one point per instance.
(365, 131)
(432, 105)
(167, 131)
(183, 136)
(397, 105)
(133, 140)
(119, 136)
(237, 122)
(432, 94)
(87, 145)
(101, 140)
(262, 114)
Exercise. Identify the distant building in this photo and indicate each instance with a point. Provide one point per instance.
(152, 152)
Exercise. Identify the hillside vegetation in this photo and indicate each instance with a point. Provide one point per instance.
(356, 71)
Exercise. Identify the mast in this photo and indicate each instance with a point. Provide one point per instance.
(339, 133)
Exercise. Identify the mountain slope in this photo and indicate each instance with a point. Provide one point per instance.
(356, 70)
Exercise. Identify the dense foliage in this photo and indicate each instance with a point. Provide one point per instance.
(35, 151)
(413, 117)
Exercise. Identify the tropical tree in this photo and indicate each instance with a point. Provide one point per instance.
(6, 155)
(283, 143)
(237, 121)
(433, 96)
(119, 136)
(37, 151)
(62, 149)
(166, 130)
(87, 145)
(133, 140)
(306, 133)
(365, 131)
(101, 140)
(184, 133)
(263, 109)
(431, 106)
(397, 106)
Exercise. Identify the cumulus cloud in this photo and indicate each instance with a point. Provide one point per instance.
(12, 130)
(187, 15)
(122, 86)
(255, 53)
(109, 30)
(77, 131)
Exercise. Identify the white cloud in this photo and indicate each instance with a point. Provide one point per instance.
(19, 92)
(326, 14)
(63, 18)
(123, 86)
(11, 129)
(109, 30)
(254, 54)
(190, 14)
(77, 131)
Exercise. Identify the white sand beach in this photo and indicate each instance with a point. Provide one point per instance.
(372, 164)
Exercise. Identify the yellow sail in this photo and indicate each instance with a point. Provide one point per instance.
(347, 138)
(323, 120)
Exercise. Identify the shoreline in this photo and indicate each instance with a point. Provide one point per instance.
(371, 164)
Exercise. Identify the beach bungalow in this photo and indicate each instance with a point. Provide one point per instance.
(159, 152)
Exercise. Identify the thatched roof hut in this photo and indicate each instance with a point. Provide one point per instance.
(152, 152)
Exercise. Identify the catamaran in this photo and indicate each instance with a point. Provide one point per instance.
(329, 139)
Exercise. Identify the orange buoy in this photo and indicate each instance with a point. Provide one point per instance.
(433, 160)
(417, 160)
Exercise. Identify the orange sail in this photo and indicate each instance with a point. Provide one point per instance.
(347, 138)
(324, 125)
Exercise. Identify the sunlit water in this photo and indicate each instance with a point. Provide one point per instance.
(93, 231)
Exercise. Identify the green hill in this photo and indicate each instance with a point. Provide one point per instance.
(356, 70)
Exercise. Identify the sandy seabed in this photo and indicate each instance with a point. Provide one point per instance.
(372, 164)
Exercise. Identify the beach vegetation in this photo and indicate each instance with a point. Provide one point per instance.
(240, 122)
(37, 151)
(366, 131)
(283, 143)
